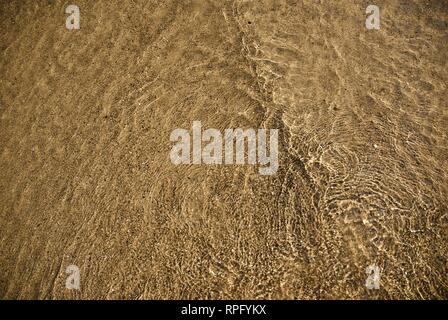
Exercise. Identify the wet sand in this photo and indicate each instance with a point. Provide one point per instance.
(86, 178)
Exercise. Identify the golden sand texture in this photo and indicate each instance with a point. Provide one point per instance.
(86, 178)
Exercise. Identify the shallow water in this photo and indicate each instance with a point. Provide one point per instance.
(86, 178)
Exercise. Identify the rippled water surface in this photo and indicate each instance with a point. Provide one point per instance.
(85, 120)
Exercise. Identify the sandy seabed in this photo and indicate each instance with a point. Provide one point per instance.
(86, 178)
